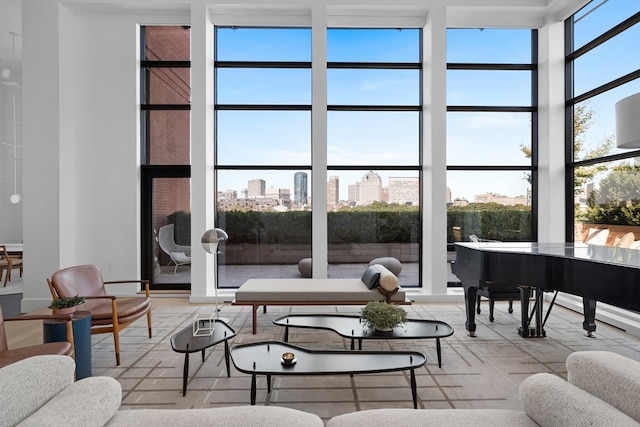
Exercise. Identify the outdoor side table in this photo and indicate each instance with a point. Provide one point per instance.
(55, 330)
(185, 342)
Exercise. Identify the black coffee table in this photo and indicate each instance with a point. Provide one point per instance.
(185, 342)
(351, 327)
(264, 358)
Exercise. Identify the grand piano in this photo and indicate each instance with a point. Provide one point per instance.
(594, 272)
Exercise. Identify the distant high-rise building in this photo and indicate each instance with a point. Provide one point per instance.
(300, 188)
(354, 193)
(282, 195)
(333, 191)
(256, 188)
(404, 190)
(228, 195)
(370, 188)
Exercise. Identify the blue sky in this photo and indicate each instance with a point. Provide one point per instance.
(356, 138)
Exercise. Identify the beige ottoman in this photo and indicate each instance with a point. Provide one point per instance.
(391, 263)
(304, 267)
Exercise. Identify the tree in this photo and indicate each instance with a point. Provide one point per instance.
(582, 119)
(622, 184)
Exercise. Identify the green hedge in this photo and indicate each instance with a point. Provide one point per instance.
(487, 221)
(490, 221)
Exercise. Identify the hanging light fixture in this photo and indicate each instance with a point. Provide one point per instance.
(6, 74)
(628, 122)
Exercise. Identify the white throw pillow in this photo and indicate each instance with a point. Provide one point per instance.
(388, 281)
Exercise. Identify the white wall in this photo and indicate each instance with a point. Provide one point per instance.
(81, 145)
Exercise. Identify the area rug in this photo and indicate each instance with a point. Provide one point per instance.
(477, 372)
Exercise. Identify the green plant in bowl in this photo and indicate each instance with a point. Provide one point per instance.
(66, 302)
(383, 316)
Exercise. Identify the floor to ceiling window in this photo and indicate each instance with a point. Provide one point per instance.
(263, 151)
(374, 98)
(165, 127)
(491, 134)
(603, 67)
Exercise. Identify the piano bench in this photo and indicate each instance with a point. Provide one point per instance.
(497, 294)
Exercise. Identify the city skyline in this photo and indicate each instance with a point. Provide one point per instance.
(404, 190)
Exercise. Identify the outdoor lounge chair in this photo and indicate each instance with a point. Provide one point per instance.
(179, 254)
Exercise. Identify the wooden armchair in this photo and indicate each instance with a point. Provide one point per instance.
(9, 263)
(108, 312)
(64, 348)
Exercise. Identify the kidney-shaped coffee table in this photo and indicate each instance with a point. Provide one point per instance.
(353, 328)
(185, 342)
(265, 358)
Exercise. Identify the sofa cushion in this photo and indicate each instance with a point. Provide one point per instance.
(371, 277)
(28, 384)
(232, 416)
(551, 401)
(88, 402)
(432, 417)
(608, 376)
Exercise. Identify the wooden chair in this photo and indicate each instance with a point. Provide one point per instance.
(108, 312)
(9, 263)
(8, 356)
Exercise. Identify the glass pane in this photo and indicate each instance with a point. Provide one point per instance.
(263, 137)
(608, 193)
(263, 44)
(373, 45)
(166, 43)
(263, 86)
(595, 123)
(169, 85)
(172, 249)
(615, 58)
(169, 137)
(492, 205)
(489, 45)
(378, 215)
(502, 187)
(488, 138)
(373, 138)
(599, 16)
(489, 88)
(269, 230)
(373, 87)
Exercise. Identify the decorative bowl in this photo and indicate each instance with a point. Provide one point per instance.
(288, 358)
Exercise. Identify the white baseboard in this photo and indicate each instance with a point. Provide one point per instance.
(626, 320)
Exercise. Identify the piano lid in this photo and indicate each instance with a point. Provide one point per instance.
(581, 251)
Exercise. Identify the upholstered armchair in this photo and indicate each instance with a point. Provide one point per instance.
(109, 314)
(8, 356)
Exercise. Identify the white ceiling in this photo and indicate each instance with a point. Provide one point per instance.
(459, 10)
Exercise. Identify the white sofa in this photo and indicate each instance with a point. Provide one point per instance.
(602, 390)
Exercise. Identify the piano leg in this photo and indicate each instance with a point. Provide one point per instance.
(524, 315)
(525, 330)
(589, 324)
(470, 296)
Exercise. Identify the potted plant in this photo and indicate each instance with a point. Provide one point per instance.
(65, 305)
(383, 316)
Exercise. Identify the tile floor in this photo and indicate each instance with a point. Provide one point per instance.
(480, 372)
